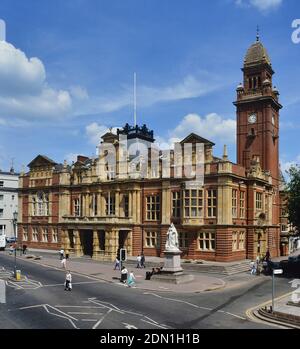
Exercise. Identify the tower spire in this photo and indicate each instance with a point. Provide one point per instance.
(257, 33)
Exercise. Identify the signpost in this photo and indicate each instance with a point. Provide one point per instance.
(275, 272)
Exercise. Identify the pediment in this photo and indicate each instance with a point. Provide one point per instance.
(194, 138)
(41, 161)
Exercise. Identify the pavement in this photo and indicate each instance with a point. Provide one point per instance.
(105, 271)
(39, 301)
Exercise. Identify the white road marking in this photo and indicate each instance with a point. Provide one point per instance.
(151, 323)
(45, 307)
(99, 322)
(227, 312)
(79, 313)
(112, 307)
(64, 317)
(196, 306)
(89, 320)
(178, 300)
(151, 320)
(78, 306)
(129, 327)
(75, 283)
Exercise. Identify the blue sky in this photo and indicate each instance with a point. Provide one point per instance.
(66, 71)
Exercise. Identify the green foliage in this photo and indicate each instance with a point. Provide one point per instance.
(293, 187)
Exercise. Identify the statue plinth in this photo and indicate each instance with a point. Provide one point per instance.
(172, 271)
(172, 261)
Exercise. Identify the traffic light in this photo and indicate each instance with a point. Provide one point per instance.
(123, 254)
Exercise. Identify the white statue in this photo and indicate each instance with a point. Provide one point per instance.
(172, 239)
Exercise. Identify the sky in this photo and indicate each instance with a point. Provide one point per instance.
(66, 72)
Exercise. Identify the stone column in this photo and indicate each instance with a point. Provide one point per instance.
(63, 239)
(77, 244)
(130, 204)
(96, 247)
(99, 204)
(117, 202)
(128, 243)
(133, 206)
(165, 205)
(102, 206)
(87, 205)
(66, 239)
(111, 243)
(138, 206)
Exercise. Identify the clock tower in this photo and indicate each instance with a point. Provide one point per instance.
(258, 113)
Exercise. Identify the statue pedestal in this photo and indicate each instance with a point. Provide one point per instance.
(172, 271)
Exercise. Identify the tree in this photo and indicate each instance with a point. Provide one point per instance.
(293, 189)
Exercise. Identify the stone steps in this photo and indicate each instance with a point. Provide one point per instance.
(223, 269)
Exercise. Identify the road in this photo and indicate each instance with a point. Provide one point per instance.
(40, 302)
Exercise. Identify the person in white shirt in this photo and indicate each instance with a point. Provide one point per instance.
(61, 253)
(68, 282)
(138, 259)
(124, 273)
(64, 263)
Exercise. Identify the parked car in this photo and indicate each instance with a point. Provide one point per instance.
(269, 266)
(11, 240)
(294, 259)
(291, 266)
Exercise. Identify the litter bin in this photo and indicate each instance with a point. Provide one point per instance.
(18, 275)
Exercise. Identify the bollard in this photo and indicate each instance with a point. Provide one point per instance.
(2, 291)
(18, 275)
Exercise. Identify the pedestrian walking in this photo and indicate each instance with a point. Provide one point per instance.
(24, 249)
(68, 281)
(143, 260)
(117, 264)
(252, 267)
(124, 273)
(131, 280)
(138, 260)
(267, 256)
(11, 249)
(61, 254)
(64, 263)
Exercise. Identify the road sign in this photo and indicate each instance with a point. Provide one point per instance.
(277, 271)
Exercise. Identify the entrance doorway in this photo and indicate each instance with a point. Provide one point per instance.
(86, 239)
(122, 238)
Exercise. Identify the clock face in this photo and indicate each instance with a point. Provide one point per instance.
(252, 118)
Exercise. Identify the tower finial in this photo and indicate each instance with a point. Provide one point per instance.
(134, 98)
(257, 33)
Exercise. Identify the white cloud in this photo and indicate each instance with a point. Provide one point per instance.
(94, 132)
(79, 92)
(212, 127)
(190, 87)
(24, 90)
(261, 5)
(285, 165)
(71, 157)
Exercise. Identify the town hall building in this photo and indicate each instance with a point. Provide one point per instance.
(90, 208)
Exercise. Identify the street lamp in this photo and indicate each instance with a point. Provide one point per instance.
(15, 220)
